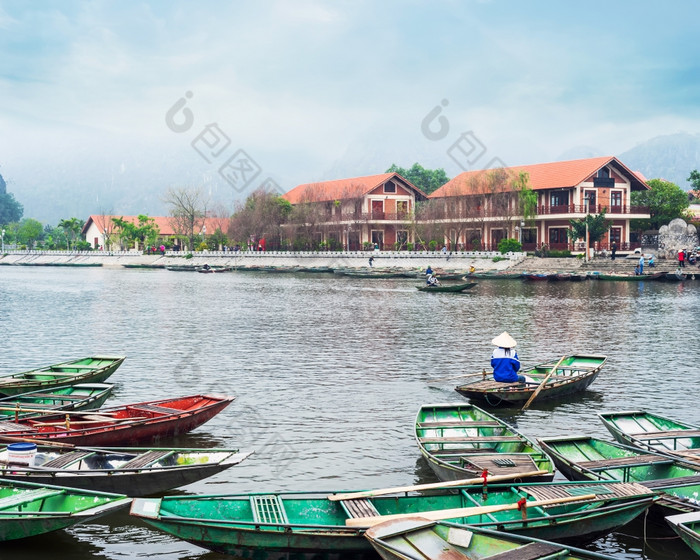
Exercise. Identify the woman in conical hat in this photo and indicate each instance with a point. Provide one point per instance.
(505, 361)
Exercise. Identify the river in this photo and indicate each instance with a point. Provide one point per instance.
(329, 372)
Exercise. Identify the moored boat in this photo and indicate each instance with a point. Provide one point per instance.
(687, 527)
(588, 458)
(622, 277)
(575, 373)
(27, 510)
(462, 441)
(415, 538)
(94, 369)
(447, 287)
(654, 432)
(122, 425)
(133, 471)
(264, 526)
(81, 396)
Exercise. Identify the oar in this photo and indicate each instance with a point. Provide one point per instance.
(456, 377)
(53, 411)
(537, 391)
(433, 485)
(435, 515)
(37, 441)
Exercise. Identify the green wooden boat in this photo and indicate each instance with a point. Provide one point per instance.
(461, 441)
(415, 538)
(588, 458)
(94, 369)
(575, 373)
(495, 275)
(82, 396)
(133, 471)
(263, 526)
(687, 526)
(447, 287)
(654, 432)
(27, 510)
(630, 277)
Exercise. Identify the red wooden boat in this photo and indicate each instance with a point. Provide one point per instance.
(130, 424)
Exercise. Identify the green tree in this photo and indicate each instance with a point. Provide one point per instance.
(261, 215)
(507, 245)
(145, 231)
(527, 198)
(427, 180)
(30, 231)
(694, 179)
(598, 226)
(10, 209)
(72, 229)
(666, 202)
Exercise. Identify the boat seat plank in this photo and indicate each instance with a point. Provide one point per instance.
(602, 491)
(668, 434)
(470, 439)
(66, 459)
(27, 497)
(360, 507)
(55, 396)
(145, 459)
(6, 426)
(627, 462)
(500, 463)
(268, 509)
(459, 424)
(458, 451)
(671, 482)
(156, 408)
(531, 551)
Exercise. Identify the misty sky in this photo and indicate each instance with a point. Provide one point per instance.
(325, 90)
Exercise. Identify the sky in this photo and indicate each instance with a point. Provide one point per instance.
(106, 105)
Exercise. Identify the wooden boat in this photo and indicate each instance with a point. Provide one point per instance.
(575, 373)
(672, 277)
(588, 458)
(415, 538)
(373, 274)
(182, 267)
(134, 471)
(214, 269)
(95, 369)
(571, 276)
(27, 510)
(462, 441)
(123, 425)
(495, 275)
(536, 277)
(267, 526)
(447, 287)
(82, 396)
(630, 277)
(687, 527)
(654, 432)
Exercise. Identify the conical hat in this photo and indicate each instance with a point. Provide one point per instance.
(504, 340)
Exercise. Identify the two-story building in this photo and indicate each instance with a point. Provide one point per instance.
(349, 213)
(484, 208)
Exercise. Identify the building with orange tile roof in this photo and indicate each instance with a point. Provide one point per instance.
(349, 213)
(100, 227)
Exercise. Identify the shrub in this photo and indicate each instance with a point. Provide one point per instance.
(559, 254)
(509, 246)
(410, 246)
(497, 259)
(432, 245)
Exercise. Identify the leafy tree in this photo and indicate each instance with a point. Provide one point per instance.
(694, 179)
(216, 240)
(30, 231)
(10, 209)
(145, 231)
(666, 202)
(427, 180)
(72, 229)
(54, 238)
(509, 246)
(598, 226)
(261, 215)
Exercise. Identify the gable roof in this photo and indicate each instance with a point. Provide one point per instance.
(343, 189)
(164, 223)
(556, 175)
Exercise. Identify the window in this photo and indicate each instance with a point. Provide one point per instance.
(401, 208)
(604, 173)
(402, 236)
(389, 187)
(560, 198)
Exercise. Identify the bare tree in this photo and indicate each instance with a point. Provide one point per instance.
(188, 208)
(104, 223)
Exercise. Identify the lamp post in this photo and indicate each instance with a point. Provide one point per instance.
(520, 233)
(586, 201)
(3, 241)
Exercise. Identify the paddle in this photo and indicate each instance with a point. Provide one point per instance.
(544, 381)
(53, 411)
(433, 485)
(37, 441)
(482, 374)
(459, 512)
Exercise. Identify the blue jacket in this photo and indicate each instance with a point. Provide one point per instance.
(505, 364)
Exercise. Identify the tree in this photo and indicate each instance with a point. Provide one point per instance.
(694, 179)
(10, 209)
(72, 229)
(666, 202)
(261, 215)
(527, 198)
(188, 208)
(598, 226)
(427, 180)
(30, 231)
(144, 232)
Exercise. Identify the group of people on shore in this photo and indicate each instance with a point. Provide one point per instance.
(690, 257)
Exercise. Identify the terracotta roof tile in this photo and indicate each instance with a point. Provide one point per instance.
(164, 223)
(341, 189)
(541, 175)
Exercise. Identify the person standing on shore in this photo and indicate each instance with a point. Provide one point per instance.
(681, 258)
(613, 250)
(641, 264)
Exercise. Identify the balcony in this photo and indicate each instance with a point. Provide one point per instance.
(593, 209)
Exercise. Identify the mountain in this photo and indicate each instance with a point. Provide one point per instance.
(671, 157)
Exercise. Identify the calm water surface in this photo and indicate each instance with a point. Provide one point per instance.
(329, 372)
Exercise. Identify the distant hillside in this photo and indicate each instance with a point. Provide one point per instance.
(670, 157)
